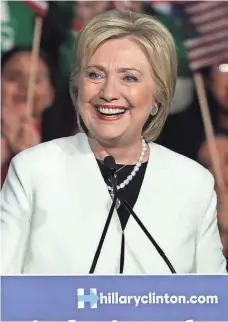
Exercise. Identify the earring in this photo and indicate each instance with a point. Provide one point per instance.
(154, 110)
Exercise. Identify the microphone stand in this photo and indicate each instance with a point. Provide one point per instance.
(111, 166)
(112, 178)
(158, 248)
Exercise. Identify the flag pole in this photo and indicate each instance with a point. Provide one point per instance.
(208, 127)
(34, 62)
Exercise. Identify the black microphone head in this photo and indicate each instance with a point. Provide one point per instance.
(110, 162)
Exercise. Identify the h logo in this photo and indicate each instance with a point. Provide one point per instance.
(92, 298)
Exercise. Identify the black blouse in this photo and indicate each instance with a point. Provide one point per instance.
(130, 192)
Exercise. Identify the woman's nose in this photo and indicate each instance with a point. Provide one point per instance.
(109, 90)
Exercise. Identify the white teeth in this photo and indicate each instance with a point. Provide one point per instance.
(110, 110)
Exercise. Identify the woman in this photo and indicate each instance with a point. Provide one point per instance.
(21, 130)
(56, 199)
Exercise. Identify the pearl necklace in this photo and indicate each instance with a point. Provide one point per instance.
(132, 174)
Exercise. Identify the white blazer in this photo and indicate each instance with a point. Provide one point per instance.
(55, 204)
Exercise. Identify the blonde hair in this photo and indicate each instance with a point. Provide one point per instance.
(152, 37)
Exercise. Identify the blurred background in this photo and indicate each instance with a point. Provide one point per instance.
(200, 31)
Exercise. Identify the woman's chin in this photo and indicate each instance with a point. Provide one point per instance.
(109, 135)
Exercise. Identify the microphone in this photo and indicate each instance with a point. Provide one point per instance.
(110, 164)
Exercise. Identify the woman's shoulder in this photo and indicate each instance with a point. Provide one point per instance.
(49, 153)
(180, 169)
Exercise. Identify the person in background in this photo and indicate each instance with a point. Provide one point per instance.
(204, 158)
(101, 6)
(178, 132)
(216, 83)
(19, 129)
(17, 24)
(216, 80)
(58, 34)
(83, 13)
(86, 10)
(135, 6)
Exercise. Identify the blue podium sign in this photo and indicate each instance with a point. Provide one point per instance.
(115, 298)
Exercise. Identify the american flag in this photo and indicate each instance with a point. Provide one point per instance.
(209, 45)
(40, 7)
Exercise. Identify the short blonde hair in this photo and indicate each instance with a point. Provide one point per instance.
(152, 37)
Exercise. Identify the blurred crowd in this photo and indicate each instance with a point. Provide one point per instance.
(53, 113)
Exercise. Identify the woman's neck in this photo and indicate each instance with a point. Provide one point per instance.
(123, 154)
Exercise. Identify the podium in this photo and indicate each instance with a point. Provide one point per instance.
(178, 298)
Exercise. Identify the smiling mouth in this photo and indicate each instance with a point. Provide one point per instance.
(110, 111)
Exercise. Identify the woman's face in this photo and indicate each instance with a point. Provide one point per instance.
(15, 80)
(116, 91)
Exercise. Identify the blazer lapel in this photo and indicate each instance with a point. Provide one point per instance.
(96, 208)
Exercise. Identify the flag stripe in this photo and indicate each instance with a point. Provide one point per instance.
(212, 49)
(197, 43)
(41, 4)
(220, 55)
(211, 15)
(200, 6)
(210, 19)
(217, 30)
(208, 61)
(214, 25)
(40, 7)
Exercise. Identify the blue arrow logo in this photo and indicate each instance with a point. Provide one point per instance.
(92, 298)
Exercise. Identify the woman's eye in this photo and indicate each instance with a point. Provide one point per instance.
(130, 78)
(94, 75)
